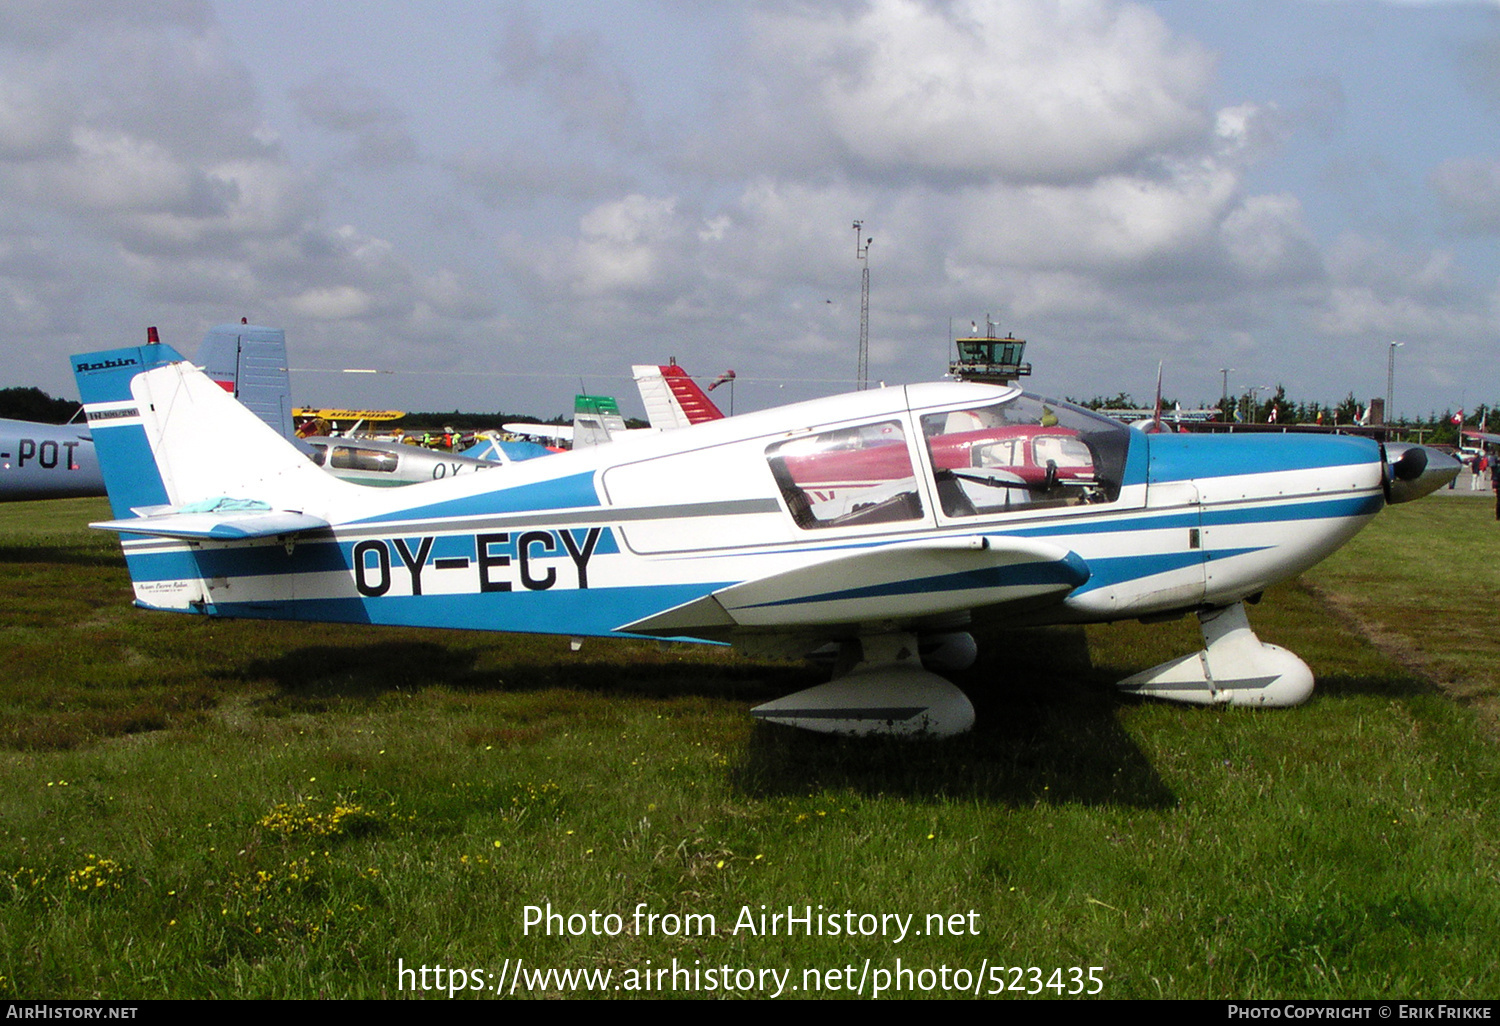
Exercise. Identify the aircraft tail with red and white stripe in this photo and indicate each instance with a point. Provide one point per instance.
(672, 398)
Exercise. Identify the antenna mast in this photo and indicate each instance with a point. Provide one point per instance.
(861, 252)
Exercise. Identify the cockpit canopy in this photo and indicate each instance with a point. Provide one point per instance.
(1018, 452)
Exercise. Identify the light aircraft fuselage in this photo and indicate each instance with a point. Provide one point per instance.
(47, 461)
(366, 461)
(881, 520)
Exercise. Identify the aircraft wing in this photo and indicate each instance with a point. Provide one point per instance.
(225, 525)
(1483, 436)
(901, 582)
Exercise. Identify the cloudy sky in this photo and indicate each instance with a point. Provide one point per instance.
(498, 202)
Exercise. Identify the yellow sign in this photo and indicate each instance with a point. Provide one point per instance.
(351, 414)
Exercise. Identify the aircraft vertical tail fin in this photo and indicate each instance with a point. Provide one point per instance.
(250, 363)
(672, 398)
(596, 419)
(1156, 407)
(131, 476)
(168, 436)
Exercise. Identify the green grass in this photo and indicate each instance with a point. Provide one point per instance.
(1424, 587)
(193, 808)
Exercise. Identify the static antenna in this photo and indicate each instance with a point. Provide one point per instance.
(861, 252)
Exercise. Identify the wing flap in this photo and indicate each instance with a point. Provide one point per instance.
(900, 583)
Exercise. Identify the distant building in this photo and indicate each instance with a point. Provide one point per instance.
(991, 360)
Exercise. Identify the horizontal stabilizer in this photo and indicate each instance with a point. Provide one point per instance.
(234, 526)
(902, 582)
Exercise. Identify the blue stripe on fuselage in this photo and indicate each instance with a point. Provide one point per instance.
(591, 612)
(1112, 570)
(1187, 457)
(319, 553)
(1071, 571)
(1250, 512)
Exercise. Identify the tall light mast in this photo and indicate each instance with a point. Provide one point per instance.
(1390, 382)
(861, 253)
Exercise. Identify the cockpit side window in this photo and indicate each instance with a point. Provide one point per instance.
(348, 457)
(1024, 452)
(847, 477)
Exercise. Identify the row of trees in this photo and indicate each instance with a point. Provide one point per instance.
(34, 404)
(1262, 406)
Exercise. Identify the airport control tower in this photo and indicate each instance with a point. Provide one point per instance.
(991, 360)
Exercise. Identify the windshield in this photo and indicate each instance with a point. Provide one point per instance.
(1024, 452)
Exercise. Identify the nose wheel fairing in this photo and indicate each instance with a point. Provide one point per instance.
(1233, 668)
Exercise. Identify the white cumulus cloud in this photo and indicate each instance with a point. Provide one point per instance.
(1018, 89)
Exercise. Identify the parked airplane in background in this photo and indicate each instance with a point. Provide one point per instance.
(250, 363)
(596, 420)
(488, 446)
(556, 434)
(1161, 421)
(1157, 420)
(47, 461)
(365, 461)
(318, 421)
(672, 398)
(718, 533)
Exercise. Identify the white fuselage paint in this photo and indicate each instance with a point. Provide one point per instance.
(699, 508)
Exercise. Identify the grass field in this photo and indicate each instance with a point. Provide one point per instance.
(194, 808)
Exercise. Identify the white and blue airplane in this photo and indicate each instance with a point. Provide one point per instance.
(889, 522)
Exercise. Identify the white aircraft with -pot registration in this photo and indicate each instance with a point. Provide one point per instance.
(888, 522)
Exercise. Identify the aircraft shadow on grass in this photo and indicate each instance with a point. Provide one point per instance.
(1399, 683)
(1048, 733)
(329, 673)
(1051, 736)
